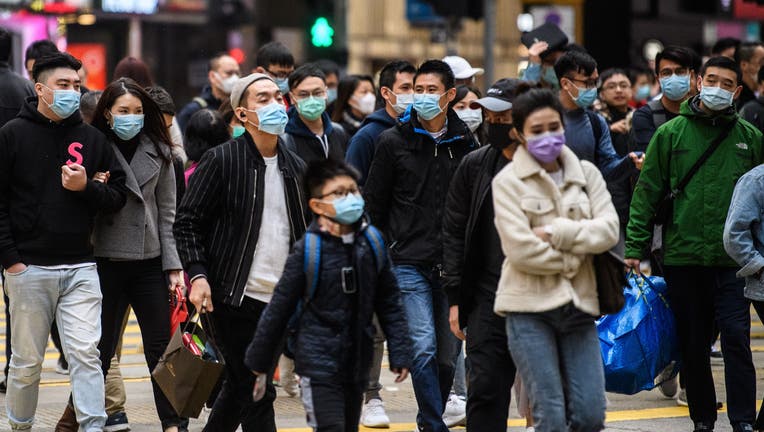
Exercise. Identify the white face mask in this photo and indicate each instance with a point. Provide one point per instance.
(366, 103)
(402, 102)
(226, 84)
(473, 118)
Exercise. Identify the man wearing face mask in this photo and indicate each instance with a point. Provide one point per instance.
(275, 60)
(676, 68)
(472, 260)
(310, 132)
(406, 194)
(704, 282)
(47, 211)
(232, 256)
(396, 88)
(587, 133)
(224, 72)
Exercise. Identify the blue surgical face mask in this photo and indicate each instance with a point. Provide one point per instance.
(65, 102)
(716, 98)
(643, 92)
(675, 87)
(586, 97)
(348, 209)
(238, 131)
(127, 126)
(331, 95)
(549, 77)
(272, 118)
(283, 84)
(427, 106)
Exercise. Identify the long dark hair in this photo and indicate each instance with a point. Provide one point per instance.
(345, 90)
(153, 127)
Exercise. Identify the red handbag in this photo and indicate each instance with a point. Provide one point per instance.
(178, 310)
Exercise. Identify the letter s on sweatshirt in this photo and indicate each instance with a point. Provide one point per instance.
(74, 152)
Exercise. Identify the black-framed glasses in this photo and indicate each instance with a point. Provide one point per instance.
(340, 193)
(590, 83)
(279, 75)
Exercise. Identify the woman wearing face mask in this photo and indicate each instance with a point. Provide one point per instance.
(553, 213)
(135, 248)
(355, 100)
(473, 118)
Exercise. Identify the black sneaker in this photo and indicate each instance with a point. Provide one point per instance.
(700, 427)
(4, 386)
(743, 427)
(116, 422)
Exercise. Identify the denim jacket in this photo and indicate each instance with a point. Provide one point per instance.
(744, 232)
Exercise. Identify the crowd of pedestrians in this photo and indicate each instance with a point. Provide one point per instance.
(323, 218)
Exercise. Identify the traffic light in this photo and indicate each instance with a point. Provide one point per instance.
(321, 33)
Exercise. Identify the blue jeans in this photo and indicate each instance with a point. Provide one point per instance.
(558, 356)
(73, 298)
(434, 346)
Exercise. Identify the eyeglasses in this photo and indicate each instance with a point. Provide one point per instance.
(623, 85)
(340, 193)
(279, 75)
(590, 83)
(667, 72)
(318, 94)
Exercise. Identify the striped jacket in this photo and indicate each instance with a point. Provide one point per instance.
(218, 223)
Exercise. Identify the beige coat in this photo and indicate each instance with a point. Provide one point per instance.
(538, 276)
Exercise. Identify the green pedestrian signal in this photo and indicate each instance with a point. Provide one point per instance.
(321, 33)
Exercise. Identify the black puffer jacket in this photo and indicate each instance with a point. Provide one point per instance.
(335, 334)
(408, 183)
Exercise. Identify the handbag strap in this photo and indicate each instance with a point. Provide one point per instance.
(703, 158)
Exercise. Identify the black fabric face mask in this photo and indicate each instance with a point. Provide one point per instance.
(498, 135)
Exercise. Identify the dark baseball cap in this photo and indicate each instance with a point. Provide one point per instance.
(499, 97)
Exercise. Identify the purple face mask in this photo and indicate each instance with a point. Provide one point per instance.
(546, 147)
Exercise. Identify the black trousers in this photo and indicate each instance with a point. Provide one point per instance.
(492, 371)
(332, 405)
(142, 286)
(697, 295)
(235, 327)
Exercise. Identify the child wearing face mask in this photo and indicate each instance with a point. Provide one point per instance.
(336, 278)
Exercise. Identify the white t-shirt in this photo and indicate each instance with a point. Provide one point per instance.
(273, 243)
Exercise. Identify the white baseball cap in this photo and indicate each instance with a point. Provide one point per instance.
(461, 67)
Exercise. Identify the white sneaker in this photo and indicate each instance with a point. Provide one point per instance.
(681, 398)
(456, 411)
(374, 415)
(530, 429)
(205, 414)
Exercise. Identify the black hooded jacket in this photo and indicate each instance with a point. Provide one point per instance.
(41, 222)
(308, 146)
(335, 334)
(408, 183)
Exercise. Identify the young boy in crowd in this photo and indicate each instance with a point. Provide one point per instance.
(334, 280)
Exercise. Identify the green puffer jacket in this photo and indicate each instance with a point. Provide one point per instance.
(694, 234)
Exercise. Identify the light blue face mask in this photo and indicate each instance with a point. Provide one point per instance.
(675, 87)
(238, 131)
(427, 106)
(65, 102)
(331, 95)
(716, 98)
(549, 77)
(273, 118)
(643, 92)
(127, 126)
(586, 97)
(283, 84)
(348, 209)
